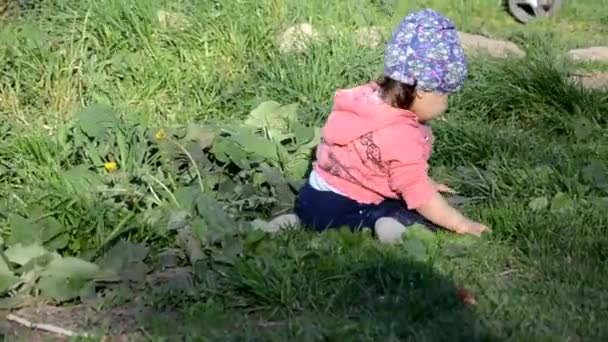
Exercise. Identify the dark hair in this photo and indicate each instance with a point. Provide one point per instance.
(395, 93)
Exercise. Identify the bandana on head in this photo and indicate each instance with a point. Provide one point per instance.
(425, 50)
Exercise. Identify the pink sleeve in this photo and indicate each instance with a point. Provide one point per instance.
(403, 149)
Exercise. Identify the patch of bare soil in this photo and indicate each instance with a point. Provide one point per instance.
(53, 323)
(43, 322)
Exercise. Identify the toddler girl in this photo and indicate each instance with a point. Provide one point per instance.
(371, 168)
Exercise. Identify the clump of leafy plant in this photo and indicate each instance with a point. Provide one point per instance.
(102, 179)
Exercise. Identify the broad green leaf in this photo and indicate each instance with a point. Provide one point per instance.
(122, 255)
(226, 150)
(296, 185)
(81, 177)
(3, 264)
(273, 116)
(199, 228)
(220, 150)
(232, 249)
(37, 264)
(213, 213)
(416, 249)
(583, 128)
(135, 271)
(65, 278)
(23, 230)
(284, 196)
(543, 173)
(96, 120)
(198, 155)
(71, 267)
(296, 168)
(59, 242)
(316, 139)
(7, 280)
(203, 136)
(169, 258)
(259, 116)
(188, 242)
(176, 280)
(421, 233)
(257, 145)
(246, 190)
(52, 233)
(186, 197)
(213, 179)
(47, 231)
(303, 134)
(22, 254)
(62, 288)
(88, 293)
(561, 202)
(596, 175)
(178, 219)
(538, 203)
(239, 157)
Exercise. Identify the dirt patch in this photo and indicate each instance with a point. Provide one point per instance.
(97, 319)
(491, 47)
(590, 54)
(81, 320)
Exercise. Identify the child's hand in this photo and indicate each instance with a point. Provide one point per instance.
(472, 227)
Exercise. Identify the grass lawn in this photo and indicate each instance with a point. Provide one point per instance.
(121, 135)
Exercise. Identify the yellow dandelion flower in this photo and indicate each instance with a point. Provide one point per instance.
(110, 166)
(160, 134)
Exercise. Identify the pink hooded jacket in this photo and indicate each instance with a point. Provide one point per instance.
(371, 151)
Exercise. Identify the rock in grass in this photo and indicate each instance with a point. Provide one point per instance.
(491, 47)
(596, 80)
(590, 54)
(297, 38)
(168, 19)
(371, 36)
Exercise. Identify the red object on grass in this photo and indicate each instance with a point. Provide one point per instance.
(466, 297)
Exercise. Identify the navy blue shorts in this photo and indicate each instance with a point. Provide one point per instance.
(321, 210)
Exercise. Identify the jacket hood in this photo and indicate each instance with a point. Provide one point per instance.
(358, 111)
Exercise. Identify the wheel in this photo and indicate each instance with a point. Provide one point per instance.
(525, 11)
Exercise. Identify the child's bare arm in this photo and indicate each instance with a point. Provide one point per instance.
(438, 211)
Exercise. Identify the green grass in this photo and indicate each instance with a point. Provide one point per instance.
(518, 133)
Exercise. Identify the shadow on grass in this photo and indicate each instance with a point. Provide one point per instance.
(336, 286)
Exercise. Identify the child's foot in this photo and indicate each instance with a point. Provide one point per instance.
(284, 221)
(389, 230)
